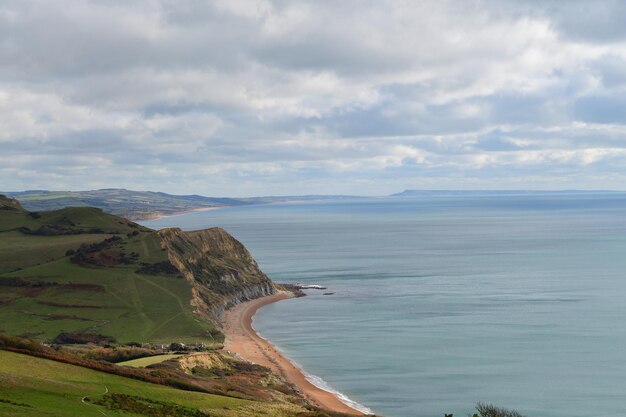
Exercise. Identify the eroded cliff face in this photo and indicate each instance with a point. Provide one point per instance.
(10, 204)
(220, 269)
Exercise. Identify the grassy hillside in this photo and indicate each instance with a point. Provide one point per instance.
(38, 387)
(125, 203)
(117, 302)
(68, 220)
(22, 251)
(50, 284)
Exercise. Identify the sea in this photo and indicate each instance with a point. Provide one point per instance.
(437, 302)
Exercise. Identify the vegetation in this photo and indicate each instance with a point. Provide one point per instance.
(59, 384)
(132, 307)
(35, 386)
(29, 239)
(489, 410)
(147, 407)
(150, 360)
(91, 283)
(161, 377)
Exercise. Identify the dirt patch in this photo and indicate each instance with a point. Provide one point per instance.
(84, 287)
(31, 292)
(31, 283)
(63, 317)
(63, 305)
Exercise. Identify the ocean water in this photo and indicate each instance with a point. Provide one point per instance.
(440, 302)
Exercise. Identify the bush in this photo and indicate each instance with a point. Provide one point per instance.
(118, 354)
(83, 338)
(490, 410)
(147, 407)
(159, 268)
(161, 377)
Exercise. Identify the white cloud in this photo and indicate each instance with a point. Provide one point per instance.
(339, 96)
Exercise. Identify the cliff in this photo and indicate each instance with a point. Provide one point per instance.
(10, 204)
(219, 268)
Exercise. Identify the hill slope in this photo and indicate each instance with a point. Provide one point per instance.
(80, 270)
(32, 386)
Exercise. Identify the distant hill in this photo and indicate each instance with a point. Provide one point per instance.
(134, 205)
(143, 205)
(443, 193)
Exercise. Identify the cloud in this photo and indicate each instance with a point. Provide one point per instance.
(269, 97)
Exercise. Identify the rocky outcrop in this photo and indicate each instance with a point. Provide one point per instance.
(220, 269)
(10, 204)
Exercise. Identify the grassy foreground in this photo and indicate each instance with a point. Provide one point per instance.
(32, 386)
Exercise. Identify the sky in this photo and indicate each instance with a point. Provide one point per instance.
(262, 97)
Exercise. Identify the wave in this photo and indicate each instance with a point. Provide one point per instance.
(323, 385)
(319, 382)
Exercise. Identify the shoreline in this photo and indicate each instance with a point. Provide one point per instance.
(159, 216)
(243, 341)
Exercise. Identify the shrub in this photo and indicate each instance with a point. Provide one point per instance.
(147, 407)
(159, 268)
(490, 410)
(161, 377)
(118, 354)
(83, 338)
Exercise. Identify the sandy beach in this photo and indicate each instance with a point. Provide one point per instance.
(242, 340)
(159, 216)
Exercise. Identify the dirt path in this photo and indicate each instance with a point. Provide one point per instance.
(106, 391)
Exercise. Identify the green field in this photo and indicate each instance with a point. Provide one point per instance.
(32, 386)
(44, 293)
(28, 239)
(150, 360)
(129, 306)
(54, 388)
(20, 251)
(78, 219)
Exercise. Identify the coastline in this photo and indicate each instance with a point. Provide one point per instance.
(159, 216)
(243, 341)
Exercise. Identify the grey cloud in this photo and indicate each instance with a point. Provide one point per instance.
(611, 69)
(267, 96)
(590, 21)
(609, 108)
(579, 20)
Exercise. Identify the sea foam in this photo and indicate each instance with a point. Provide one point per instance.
(319, 382)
